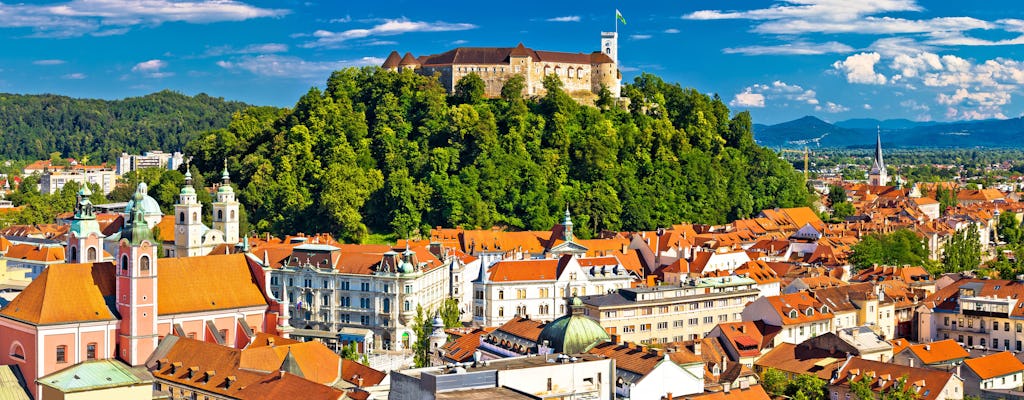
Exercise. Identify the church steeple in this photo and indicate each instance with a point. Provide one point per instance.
(878, 175)
(84, 236)
(567, 226)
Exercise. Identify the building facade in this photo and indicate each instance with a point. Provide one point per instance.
(672, 313)
(53, 180)
(150, 159)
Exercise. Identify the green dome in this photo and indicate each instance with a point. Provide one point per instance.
(574, 333)
(406, 268)
(144, 201)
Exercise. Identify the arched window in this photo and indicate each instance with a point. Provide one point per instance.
(387, 305)
(91, 255)
(74, 254)
(232, 215)
(144, 264)
(407, 306)
(558, 70)
(124, 262)
(220, 215)
(501, 312)
(501, 295)
(181, 217)
(792, 313)
(17, 351)
(547, 70)
(195, 217)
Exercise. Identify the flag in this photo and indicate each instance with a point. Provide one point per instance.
(619, 17)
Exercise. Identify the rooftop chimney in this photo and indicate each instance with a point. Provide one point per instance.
(696, 347)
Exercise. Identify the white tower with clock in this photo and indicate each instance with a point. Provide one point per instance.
(610, 45)
(188, 221)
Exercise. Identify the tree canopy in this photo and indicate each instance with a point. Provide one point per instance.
(383, 151)
(901, 247)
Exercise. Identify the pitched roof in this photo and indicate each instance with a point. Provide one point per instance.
(939, 351)
(462, 348)
(800, 359)
(96, 374)
(926, 383)
(12, 384)
(754, 392)
(630, 357)
(522, 327)
(352, 371)
(799, 302)
(65, 293)
(995, 365)
(525, 270)
(225, 282)
(314, 360)
(165, 229)
(36, 253)
(392, 61)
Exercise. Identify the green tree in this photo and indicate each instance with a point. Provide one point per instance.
(1009, 229)
(861, 389)
(962, 251)
(842, 210)
(899, 391)
(351, 352)
(422, 328)
(774, 381)
(836, 195)
(901, 247)
(808, 386)
(450, 313)
(469, 90)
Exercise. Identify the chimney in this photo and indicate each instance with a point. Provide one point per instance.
(615, 339)
(911, 360)
(208, 375)
(359, 382)
(228, 381)
(725, 361)
(726, 387)
(668, 395)
(696, 347)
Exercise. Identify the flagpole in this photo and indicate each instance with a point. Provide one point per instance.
(616, 23)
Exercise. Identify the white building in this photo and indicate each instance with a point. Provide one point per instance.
(53, 180)
(540, 288)
(324, 290)
(191, 236)
(800, 316)
(150, 159)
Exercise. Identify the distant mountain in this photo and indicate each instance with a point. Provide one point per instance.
(811, 131)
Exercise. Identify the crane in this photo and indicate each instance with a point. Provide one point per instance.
(807, 153)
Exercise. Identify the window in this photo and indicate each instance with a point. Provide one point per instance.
(124, 263)
(195, 217)
(408, 289)
(17, 351)
(610, 314)
(544, 293)
(387, 305)
(91, 254)
(645, 327)
(982, 342)
(995, 325)
(945, 321)
(501, 312)
(90, 351)
(629, 329)
(181, 217)
(677, 323)
(501, 295)
(663, 325)
(325, 284)
(62, 354)
(407, 306)
(478, 295)
(220, 215)
(1006, 326)
(709, 319)
(520, 294)
(224, 334)
(364, 286)
(693, 321)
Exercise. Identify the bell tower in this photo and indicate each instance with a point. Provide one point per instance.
(136, 288)
(85, 240)
(225, 209)
(188, 222)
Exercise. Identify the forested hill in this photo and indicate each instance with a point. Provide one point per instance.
(33, 126)
(385, 151)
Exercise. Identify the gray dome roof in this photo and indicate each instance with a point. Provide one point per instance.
(148, 204)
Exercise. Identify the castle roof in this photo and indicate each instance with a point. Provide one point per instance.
(392, 61)
(500, 55)
(408, 59)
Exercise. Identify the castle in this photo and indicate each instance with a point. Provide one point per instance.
(582, 74)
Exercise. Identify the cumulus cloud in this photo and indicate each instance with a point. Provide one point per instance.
(278, 66)
(48, 62)
(152, 69)
(796, 48)
(831, 108)
(747, 99)
(106, 17)
(860, 68)
(390, 27)
(567, 18)
(757, 94)
(910, 66)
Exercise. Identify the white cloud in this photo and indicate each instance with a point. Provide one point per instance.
(671, 31)
(910, 66)
(389, 27)
(747, 99)
(342, 20)
(567, 18)
(639, 37)
(105, 17)
(757, 95)
(893, 46)
(832, 108)
(152, 69)
(796, 48)
(75, 76)
(867, 106)
(278, 66)
(260, 48)
(860, 68)
(48, 62)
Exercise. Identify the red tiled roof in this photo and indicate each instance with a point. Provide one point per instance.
(65, 293)
(927, 384)
(994, 365)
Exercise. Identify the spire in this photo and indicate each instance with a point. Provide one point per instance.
(224, 176)
(567, 225)
(289, 364)
(878, 150)
(136, 229)
(188, 172)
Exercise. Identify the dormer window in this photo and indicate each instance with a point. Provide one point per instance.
(824, 309)
(809, 311)
(792, 313)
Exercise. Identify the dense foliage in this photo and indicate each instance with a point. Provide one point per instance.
(33, 126)
(393, 152)
(901, 247)
(962, 251)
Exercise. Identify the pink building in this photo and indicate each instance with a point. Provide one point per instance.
(97, 310)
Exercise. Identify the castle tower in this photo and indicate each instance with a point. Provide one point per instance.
(188, 222)
(225, 209)
(438, 337)
(878, 175)
(85, 240)
(136, 287)
(610, 45)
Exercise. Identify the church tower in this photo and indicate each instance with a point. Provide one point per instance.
(567, 226)
(225, 209)
(878, 175)
(188, 222)
(136, 289)
(610, 46)
(85, 240)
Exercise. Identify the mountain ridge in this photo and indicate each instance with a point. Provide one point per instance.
(853, 133)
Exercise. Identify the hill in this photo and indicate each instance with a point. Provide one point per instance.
(386, 151)
(1007, 133)
(33, 126)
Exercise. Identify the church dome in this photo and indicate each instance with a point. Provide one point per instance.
(148, 204)
(573, 333)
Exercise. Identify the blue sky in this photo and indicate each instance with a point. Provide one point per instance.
(836, 59)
